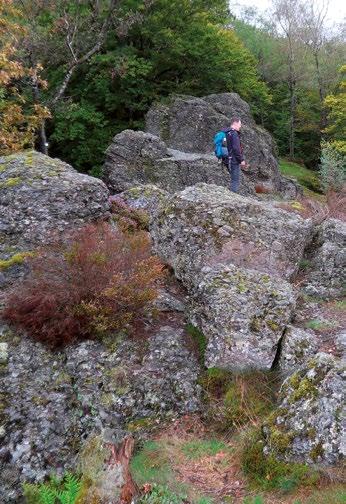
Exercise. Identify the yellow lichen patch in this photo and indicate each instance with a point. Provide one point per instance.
(10, 182)
(15, 259)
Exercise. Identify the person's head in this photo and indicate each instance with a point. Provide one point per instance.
(236, 123)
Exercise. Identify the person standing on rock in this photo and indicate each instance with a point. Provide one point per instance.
(235, 153)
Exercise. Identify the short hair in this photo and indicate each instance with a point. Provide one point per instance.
(235, 119)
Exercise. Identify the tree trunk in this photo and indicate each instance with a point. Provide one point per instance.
(323, 119)
(292, 120)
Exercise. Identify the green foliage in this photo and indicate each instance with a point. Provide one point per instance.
(332, 167)
(162, 495)
(307, 178)
(318, 325)
(254, 500)
(80, 135)
(336, 104)
(267, 472)
(199, 339)
(57, 491)
(179, 46)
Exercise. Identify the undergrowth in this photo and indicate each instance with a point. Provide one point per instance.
(56, 491)
(101, 280)
(233, 400)
(266, 472)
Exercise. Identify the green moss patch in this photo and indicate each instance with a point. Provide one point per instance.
(10, 182)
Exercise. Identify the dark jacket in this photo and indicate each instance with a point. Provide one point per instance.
(234, 147)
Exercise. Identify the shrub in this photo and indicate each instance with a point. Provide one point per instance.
(267, 472)
(127, 218)
(332, 168)
(100, 281)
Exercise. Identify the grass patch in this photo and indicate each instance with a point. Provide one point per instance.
(319, 325)
(151, 465)
(199, 448)
(233, 400)
(305, 177)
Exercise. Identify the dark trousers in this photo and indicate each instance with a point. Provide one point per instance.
(234, 170)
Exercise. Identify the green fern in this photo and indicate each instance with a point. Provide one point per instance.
(46, 495)
(56, 491)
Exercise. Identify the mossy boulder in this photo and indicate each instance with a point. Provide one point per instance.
(136, 158)
(41, 197)
(307, 425)
(242, 314)
(206, 225)
(188, 123)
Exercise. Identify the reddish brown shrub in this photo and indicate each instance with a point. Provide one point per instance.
(336, 202)
(127, 218)
(103, 280)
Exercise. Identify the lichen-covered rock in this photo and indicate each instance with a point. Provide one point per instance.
(40, 197)
(189, 124)
(326, 276)
(137, 158)
(308, 423)
(243, 314)
(144, 197)
(62, 398)
(207, 224)
(298, 345)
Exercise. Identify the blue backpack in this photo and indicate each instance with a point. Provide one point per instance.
(220, 144)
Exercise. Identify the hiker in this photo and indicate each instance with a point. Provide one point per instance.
(228, 148)
(235, 153)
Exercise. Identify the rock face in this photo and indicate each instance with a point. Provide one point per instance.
(41, 197)
(61, 398)
(189, 124)
(235, 255)
(298, 346)
(136, 158)
(326, 277)
(243, 314)
(307, 426)
(143, 197)
(206, 225)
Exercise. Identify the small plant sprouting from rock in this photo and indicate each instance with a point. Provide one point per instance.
(56, 491)
(103, 280)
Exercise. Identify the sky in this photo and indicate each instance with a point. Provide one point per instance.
(336, 11)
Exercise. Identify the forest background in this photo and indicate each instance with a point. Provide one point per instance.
(73, 73)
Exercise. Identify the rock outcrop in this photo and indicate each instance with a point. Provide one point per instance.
(208, 225)
(136, 158)
(189, 124)
(64, 397)
(326, 275)
(176, 150)
(307, 425)
(243, 314)
(41, 197)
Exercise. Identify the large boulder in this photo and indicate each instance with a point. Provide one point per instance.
(207, 224)
(243, 314)
(189, 124)
(62, 398)
(137, 158)
(40, 197)
(307, 425)
(326, 276)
